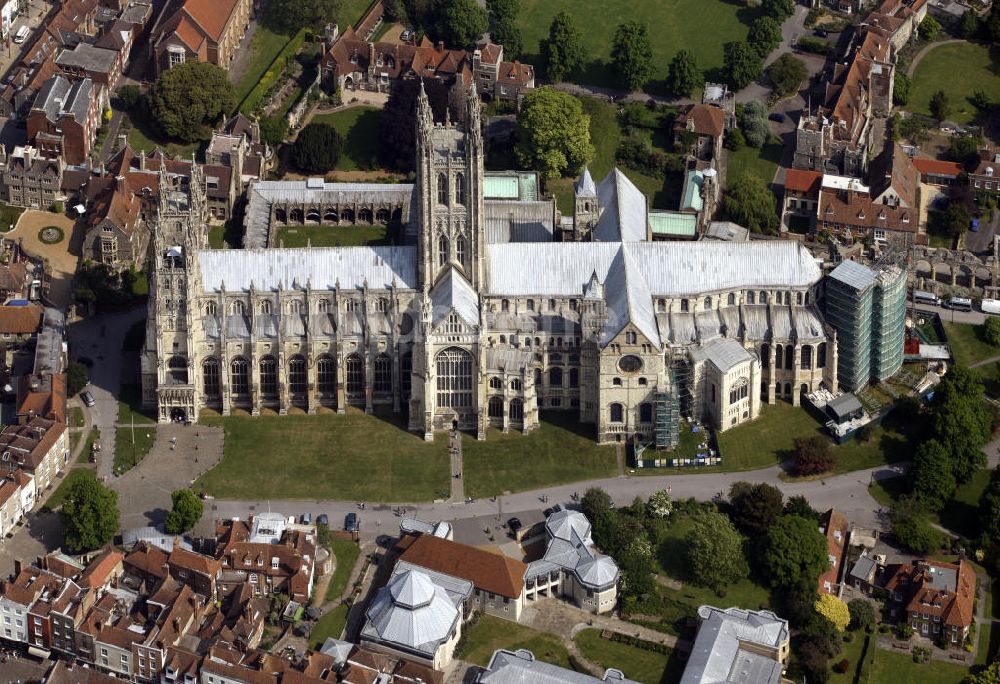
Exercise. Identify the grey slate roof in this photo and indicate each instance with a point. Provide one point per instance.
(845, 404)
(857, 276)
(58, 97)
(515, 221)
(585, 186)
(570, 549)
(453, 292)
(623, 210)
(718, 654)
(724, 353)
(520, 667)
(863, 568)
(89, 57)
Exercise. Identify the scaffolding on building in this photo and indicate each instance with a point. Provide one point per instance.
(668, 418)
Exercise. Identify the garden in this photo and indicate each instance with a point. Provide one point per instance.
(959, 70)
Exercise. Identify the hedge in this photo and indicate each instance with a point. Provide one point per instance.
(273, 73)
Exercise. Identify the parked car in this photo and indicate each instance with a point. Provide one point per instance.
(306, 518)
(821, 33)
(514, 524)
(323, 519)
(351, 522)
(405, 35)
(87, 398)
(776, 116)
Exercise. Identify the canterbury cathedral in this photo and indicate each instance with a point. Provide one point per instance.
(493, 306)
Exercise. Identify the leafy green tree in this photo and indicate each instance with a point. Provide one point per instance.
(553, 133)
(186, 511)
(786, 74)
(273, 129)
(503, 15)
(753, 508)
(288, 16)
(749, 202)
(956, 218)
(187, 100)
(800, 506)
(989, 506)
(911, 524)
(395, 10)
(129, 96)
(965, 150)
(813, 455)
(714, 551)
(834, 610)
(595, 504)
(77, 377)
(317, 149)
(461, 22)
(794, 552)
(901, 89)
(991, 331)
(933, 476)
(562, 52)
(962, 420)
(764, 35)
(89, 516)
(778, 10)
(929, 28)
(862, 613)
(741, 64)
(940, 105)
(968, 27)
(659, 504)
(683, 76)
(991, 674)
(991, 27)
(982, 100)
(734, 139)
(632, 55)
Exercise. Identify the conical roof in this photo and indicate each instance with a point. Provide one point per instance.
(411, 589)
(585, 187)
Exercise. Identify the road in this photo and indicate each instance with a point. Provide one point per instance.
(981, 241)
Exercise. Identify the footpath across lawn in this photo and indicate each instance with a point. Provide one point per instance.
(648, 667)
(967, 344)
(489, 633)
(959, 69)
(346, 553)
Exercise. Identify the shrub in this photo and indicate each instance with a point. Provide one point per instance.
(842, 665)
(129, 96)
(812, 456)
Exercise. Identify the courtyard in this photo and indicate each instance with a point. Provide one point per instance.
(959, 69)
(62, 254)
(358, 126)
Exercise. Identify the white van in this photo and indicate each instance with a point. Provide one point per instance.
(920, 297)
(21, 34)
(958, 304)
(990, 306)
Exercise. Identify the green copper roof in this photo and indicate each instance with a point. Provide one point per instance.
(513, 185)
(673, 224)
(692, 191)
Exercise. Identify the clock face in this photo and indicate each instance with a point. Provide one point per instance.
(630, 364)
(405, 324)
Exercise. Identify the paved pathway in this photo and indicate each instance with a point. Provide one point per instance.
(457, 479)
(923, 53)
(108, 148)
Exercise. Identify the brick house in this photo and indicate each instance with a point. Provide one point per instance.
(280, 560)
(16, 500)
(39, 443)
(937, 172)
(801, 195)
(199, 572)
(935, 598)
(986, 176)
(64, 119)
(102, 66)
(200, 30)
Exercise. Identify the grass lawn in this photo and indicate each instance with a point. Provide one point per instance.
(558, 451)
(9, 216)
(351, 12)
(143, 137)
(347, 553)
(76, 417)
(217, 237)
(887, 490)
(761, 161)
(638, 664)
(130, 406)
(57, 497)
(359, 128)
(966, 345)
(325, 459)
(332, 236)
(769, 440)
(701, 26)
(490, 633)
(330, 625)
(851, 651)
(959, 69)
(892, 667)
(986, 652)
(132, 445)
(264, 47)
(94, 436)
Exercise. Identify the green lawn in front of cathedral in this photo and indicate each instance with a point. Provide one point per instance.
(701, 26)
(331, 236)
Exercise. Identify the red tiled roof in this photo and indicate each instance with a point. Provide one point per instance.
(706, 119)
(937, 167)
(834, 526)
(100, 569)
(20, 320)
(492, 572)
(799, 180)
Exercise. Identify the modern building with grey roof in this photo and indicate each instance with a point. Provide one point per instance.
(483, 305)
(518, 667)
(738, 646)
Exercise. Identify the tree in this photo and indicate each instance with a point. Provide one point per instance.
(397, 144)
(812, 455)
(89, 515)
(965, 150)
(734, 139)
(288, 16)
(901, 89)
(395, 10)
(962, 420)
(129, 96)
(779, 10)
(189, 98)
(273, 129)
(749, 202)
(460, 22)
(794, 552)
(956, 218)
(989, 506)
(799, 505)
(77, 377)
(659, 504)
(991, 674)
(862, 613)
(933, 475)
(632, 55)
(754, 507)
(912, 526)
(834, 610)
(940, 105)
(968, 27)
(683, 76)
(753, 121)
(553, 133)
(317, 149)
(562, 52)
(786, 74)
(715, 551)
(929, 28)
(764, 35)
(741, 64)
(503, 14)
(991, 26)
(595, 504)
(186, 511)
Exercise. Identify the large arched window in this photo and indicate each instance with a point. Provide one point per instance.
(646, 413)
(326, 374)
(749, 297)
(265, 306)
(821, 355)
(460, 189)
(789, 354)
(442, 189)
(355, 374)
(210, 308)
(268, 377)
(807, 357)
(442, 250)
(405, 370)
(516, 411)
(731, 299)
(515, 385)
(239, 376)
(236, 308)
(495, 407)
(383, 374)
(178, 369)
(765, 356)
(496, 383)
(574, 377)
(555, 377)
(454, 378)
(210, 378)
(297, 375)
(460, 250)
(617, 412)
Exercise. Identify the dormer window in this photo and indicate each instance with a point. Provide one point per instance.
(274, 562)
